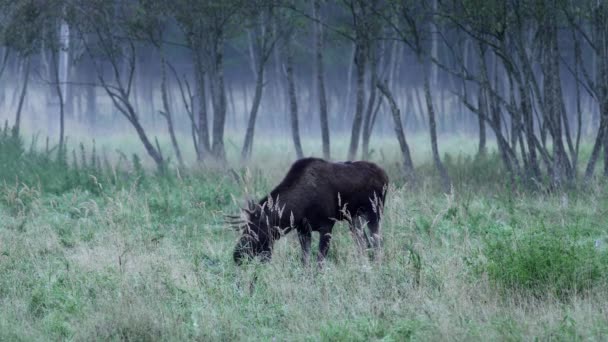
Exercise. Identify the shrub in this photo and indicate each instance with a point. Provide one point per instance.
(545, 262)
(50, 171)
(30, 167)
(479, 171)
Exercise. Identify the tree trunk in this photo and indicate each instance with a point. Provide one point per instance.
(258, 63)
(443, 173)
(371, 101)
(26, 79)
(579, 113)
(65, 60)
(203, 124)
(219, 115)
(528, 120)
(91, 105)
(120, 99)
(257, 97)
(516, 125)
(481, 149)
(153, 152)
(320, 78)
(408, 165)
(600, 65)
(119, 92)
(420, 119)
(58, 88)
(293, 104)
(560, 169)
(279, 87)
(597, 146)
(491, 107)
(232, 106)
(360, 62)
(602, 77)
(349, 81)
(394, 64)
(525, 83)
(189, 106)
(167, 108)
(149, 104)
(604, 115)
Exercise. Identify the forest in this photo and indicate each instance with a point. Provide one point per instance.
(132, 128)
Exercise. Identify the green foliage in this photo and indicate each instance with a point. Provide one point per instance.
(545, 262)
(52, 170)
(138, 169)
(91, 249)
(25, 167)
(23, 29)
(480, 171)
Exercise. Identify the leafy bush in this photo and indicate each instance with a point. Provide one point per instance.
(479, 171)
(31, 167)
(545, 262)
(366, 329)
(50, 171)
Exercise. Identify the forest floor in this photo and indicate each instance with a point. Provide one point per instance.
(88, 254)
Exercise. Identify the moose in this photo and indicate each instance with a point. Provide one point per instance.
(314, 195)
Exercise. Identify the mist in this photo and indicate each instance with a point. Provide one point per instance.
(527, 78)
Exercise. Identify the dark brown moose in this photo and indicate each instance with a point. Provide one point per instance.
(314, 195)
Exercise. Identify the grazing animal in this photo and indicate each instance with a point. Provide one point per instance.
(314, 195)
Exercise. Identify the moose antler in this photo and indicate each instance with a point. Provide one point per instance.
(240, 221)
(236, 222)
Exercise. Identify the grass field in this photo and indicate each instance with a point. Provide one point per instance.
(91, 253)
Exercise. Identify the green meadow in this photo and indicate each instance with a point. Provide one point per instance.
(96, 245)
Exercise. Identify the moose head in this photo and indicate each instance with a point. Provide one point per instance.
(260, 227)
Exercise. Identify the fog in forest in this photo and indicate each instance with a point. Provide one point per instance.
(528, 78)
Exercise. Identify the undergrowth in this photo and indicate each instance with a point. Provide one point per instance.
(92, 249)
(546, 263)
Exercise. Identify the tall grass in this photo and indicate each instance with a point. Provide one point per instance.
(91, 251)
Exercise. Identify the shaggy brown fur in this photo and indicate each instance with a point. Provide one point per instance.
(314, 195)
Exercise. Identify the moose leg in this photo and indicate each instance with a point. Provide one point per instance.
(305, 238)
(324, 242)
(356, 230)
(376, 238)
